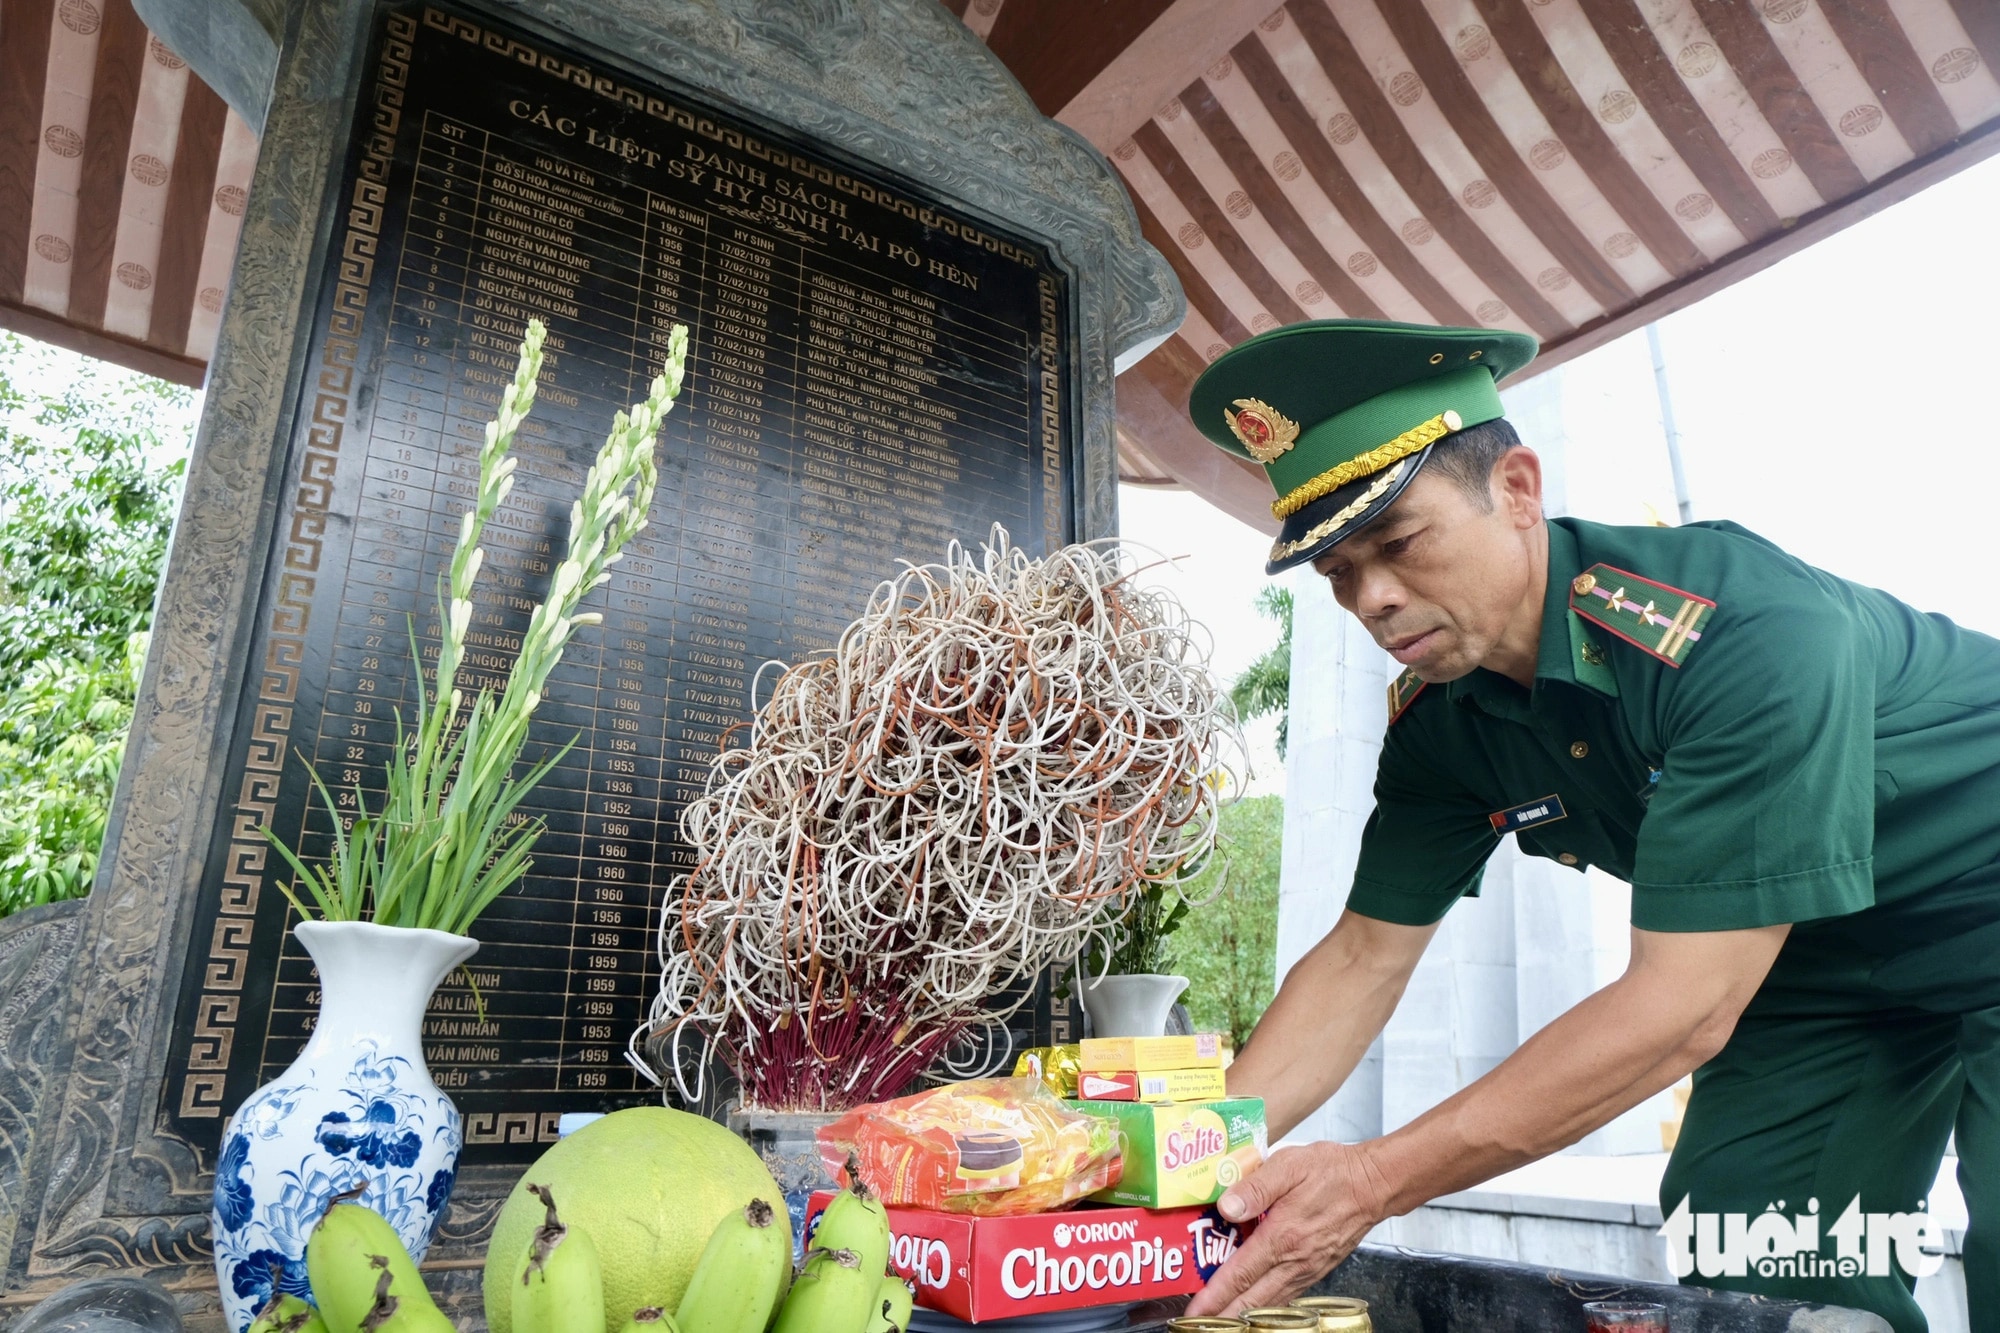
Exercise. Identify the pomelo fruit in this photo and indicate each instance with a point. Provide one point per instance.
(648, 1184)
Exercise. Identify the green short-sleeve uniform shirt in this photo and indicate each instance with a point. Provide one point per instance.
(1817, 748)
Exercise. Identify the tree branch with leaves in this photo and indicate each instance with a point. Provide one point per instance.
(1265, 687)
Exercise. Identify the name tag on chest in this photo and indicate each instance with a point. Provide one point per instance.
(1543, 810)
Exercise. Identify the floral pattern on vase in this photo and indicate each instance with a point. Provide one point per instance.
(356, 1111)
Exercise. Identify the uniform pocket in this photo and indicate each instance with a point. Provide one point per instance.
(1580, 841)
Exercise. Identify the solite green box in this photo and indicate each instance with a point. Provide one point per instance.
(1181, 1155)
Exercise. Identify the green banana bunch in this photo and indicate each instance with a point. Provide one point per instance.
(651, 1319)
(834, 1294)
(341, 1264)
(285, 1313)
(561, 1286)
(741, 1275)
(401, 1314)
(893, 1303)
(856, 1221)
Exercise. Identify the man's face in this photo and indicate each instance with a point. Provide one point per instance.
(1438, 579)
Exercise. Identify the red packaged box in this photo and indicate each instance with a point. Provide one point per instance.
(980, 1268)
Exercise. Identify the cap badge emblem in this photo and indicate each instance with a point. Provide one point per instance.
(1262, 429)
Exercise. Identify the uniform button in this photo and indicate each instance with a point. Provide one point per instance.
(1567, 858)
(1593, 655)
(1579, 749)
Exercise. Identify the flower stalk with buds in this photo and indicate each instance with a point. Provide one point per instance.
(447, 840)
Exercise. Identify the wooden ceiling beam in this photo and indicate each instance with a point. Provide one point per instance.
(1264, 194)
(1201, 297)
(24, 72)
(1622, 31)
(1981, 21)
(1339, 185)
(1734, 267)
(184, 230)
(1577, 127)
(1881, 50)
(1400, 152)
(114, 98)
(1443, 77)
(1152, 412)
(1056, 47)
(1746, 44)
(1215, 224)
(44, 327)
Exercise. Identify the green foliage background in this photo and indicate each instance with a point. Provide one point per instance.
(90, 476)
(1227, 947)
(1265, 687)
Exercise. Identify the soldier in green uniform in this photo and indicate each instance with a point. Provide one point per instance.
(1799, 776)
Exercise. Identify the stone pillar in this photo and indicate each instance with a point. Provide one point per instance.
(1338, 713)
(1457, 1019)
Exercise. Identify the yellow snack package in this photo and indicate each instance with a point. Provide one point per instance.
(1147, 1055)
(1055, 1066)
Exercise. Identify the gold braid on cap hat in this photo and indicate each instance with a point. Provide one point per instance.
(1327, 527)
(1326, 483)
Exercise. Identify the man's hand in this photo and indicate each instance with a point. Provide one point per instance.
(1318, 1201)
(1672, 1010)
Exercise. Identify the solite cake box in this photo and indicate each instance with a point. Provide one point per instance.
(1182, 1155)
(981, 1268)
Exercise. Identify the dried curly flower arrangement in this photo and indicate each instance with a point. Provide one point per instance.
(1001, 758)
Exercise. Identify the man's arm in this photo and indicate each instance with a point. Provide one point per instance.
(1672, 1010)
(1333, 1004)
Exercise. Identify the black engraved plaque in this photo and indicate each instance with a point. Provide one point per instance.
(873, 374)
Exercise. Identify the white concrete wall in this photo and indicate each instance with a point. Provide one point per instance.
(1339, 711)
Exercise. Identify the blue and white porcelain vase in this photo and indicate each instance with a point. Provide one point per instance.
(357, 1107)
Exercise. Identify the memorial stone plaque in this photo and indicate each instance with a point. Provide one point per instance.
(908, 292)
(873, 375)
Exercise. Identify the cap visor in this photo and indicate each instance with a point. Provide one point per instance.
(1338, 515)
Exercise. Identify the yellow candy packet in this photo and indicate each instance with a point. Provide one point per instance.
(1055, 1066)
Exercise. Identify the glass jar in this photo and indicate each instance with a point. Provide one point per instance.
(1338, 1314)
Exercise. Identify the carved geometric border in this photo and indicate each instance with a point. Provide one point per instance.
(217, 1008)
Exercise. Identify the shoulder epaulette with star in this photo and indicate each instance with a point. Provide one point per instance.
(1403, 692)
(1652, 617)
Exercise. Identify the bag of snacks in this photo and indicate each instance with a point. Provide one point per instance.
(991, 1147)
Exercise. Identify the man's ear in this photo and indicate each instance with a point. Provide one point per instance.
(1517, 486)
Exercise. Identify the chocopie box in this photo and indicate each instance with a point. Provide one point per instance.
(980, 1268)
